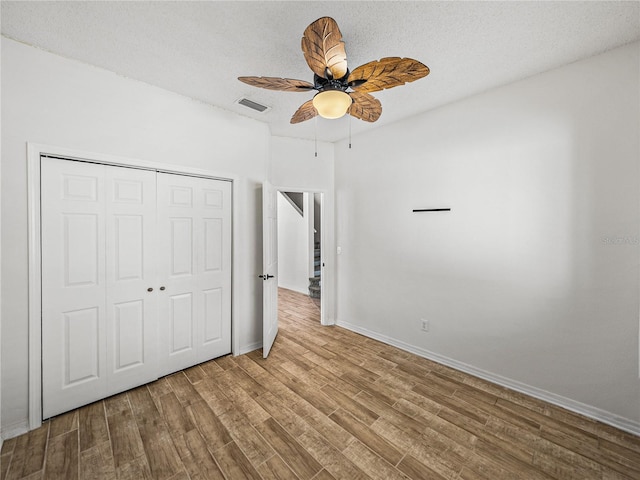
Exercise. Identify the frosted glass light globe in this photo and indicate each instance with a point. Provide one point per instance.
(332, 103)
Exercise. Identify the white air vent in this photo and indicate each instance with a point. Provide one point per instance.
(253, 105)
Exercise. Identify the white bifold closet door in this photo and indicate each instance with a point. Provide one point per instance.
(120, 302)
(194, 217)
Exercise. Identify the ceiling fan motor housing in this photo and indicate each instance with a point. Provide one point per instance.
(322, 84)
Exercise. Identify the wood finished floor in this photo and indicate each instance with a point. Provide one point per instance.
(328, 403)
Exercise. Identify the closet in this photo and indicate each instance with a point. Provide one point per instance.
(136, 277)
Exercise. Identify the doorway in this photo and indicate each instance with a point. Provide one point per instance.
(301, 249)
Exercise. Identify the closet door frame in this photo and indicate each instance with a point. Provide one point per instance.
(35, 152)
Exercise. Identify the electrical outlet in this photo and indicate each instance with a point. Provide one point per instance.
(425, 325)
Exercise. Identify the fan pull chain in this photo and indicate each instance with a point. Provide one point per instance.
(315, 133)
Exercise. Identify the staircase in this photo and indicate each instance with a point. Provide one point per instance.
(314, 282)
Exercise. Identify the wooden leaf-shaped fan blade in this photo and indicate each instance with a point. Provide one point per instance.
(365, 107)
(386, 73)
(276, 83)
(306, 112)
(323, 48)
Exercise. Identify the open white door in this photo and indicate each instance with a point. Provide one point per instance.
(269, 267)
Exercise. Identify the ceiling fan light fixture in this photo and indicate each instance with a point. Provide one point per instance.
(324, 51)
(332, 104)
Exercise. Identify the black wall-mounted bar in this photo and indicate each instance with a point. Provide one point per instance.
(432, 210)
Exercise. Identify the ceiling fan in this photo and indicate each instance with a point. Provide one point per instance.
(339, 90)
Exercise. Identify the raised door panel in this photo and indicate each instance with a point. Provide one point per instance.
(213, 244)
(73, 284)
(181, 323)
(181, 247)
(213, 316)
(80, 346)
(81, 249)
(128, 238)
(129, 335)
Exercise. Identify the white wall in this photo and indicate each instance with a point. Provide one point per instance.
(532, 278)
(293, 164)
(293, 246)
(52, 100)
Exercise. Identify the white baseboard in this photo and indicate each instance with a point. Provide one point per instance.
(14, 429)
(248, 348)
(595, 413)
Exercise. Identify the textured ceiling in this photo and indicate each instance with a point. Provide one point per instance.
(198, 49)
